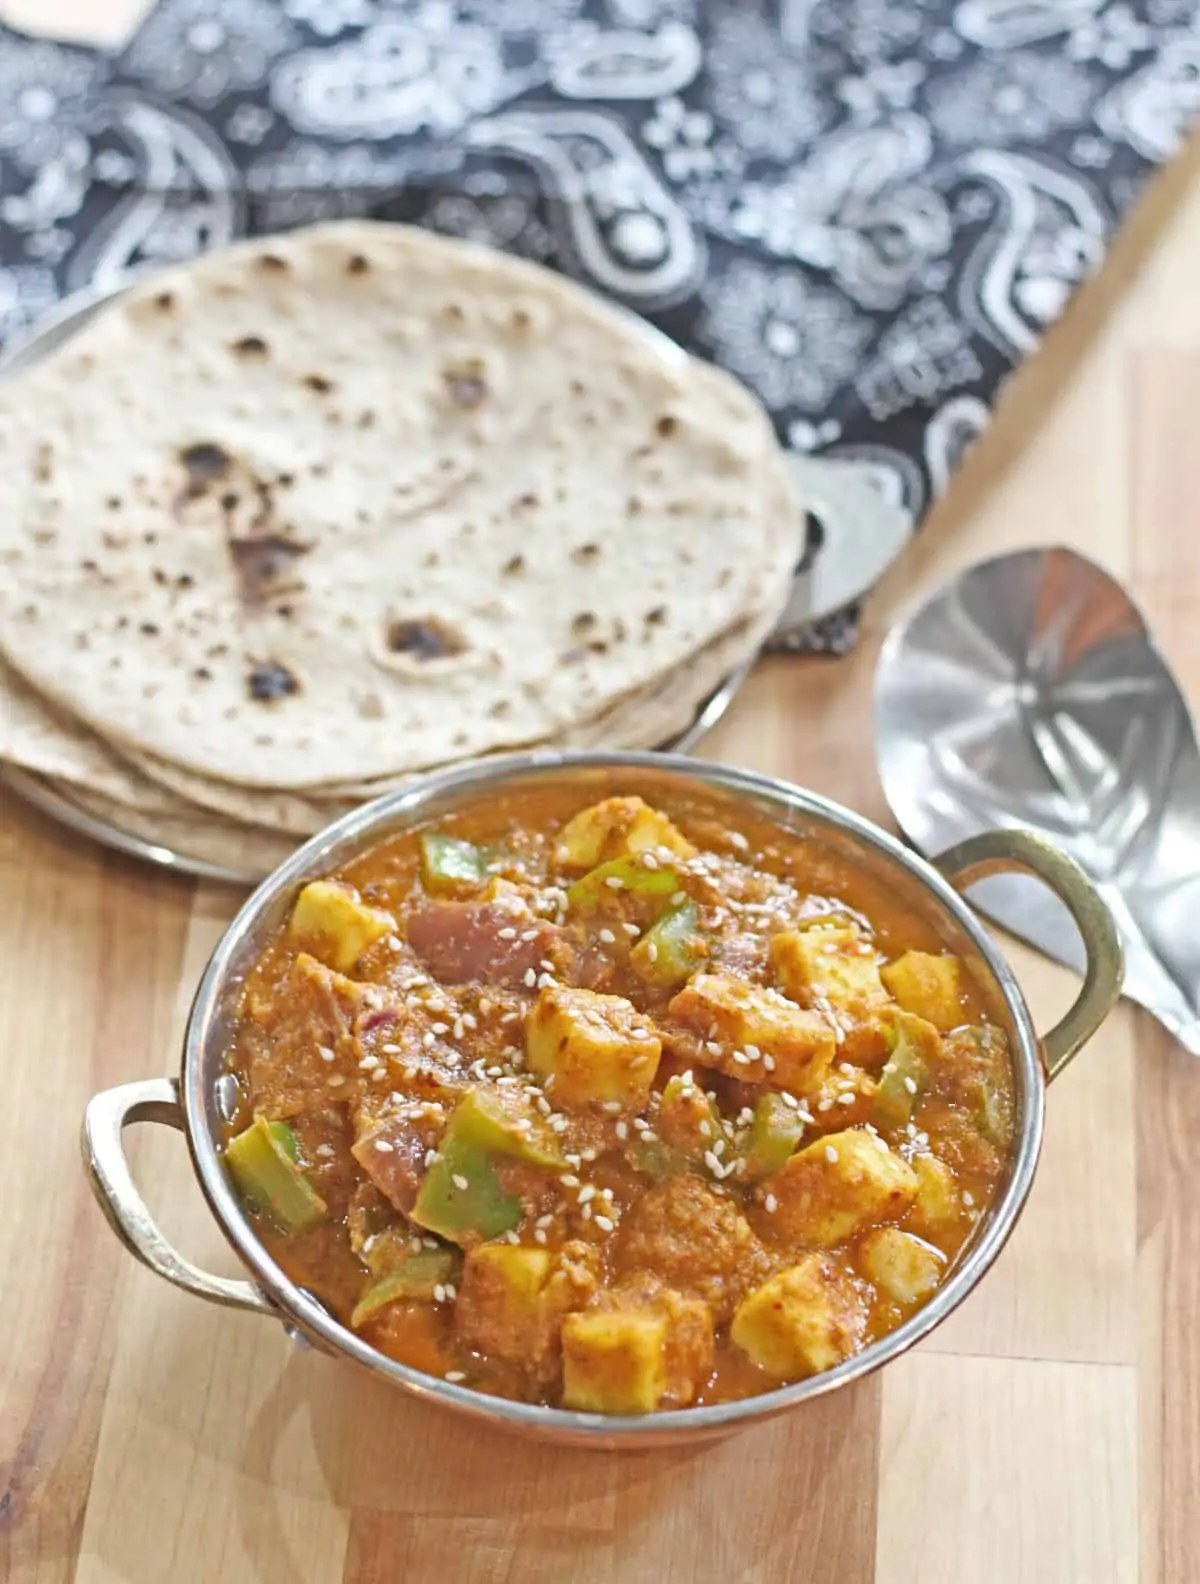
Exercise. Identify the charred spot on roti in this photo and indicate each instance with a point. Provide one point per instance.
(585, 554)
(365, 419)
(43, 463)
(318, 383)
(466, 387)
(267, 681)
(514, 565)
(150, 629)
(113, 503)
(666, 425)
(165, 301)
(424, 639)
(202, 674)
(452, 313)
(203, 463)
(655, 617)
(357, 264)
(250, 346)
(583, 623)
(263, 563)
(272, 261)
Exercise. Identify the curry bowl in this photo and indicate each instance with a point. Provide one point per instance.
(202, 1102)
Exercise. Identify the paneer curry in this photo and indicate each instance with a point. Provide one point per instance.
(611, 1106)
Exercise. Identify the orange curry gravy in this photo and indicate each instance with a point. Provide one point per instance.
(561, 1147)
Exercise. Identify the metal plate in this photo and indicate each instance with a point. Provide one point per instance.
(862, 535)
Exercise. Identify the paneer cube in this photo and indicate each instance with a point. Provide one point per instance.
(639, 1347)
(833, 961)
(337, 926)
(938, 1208)
(512, 1300)
(760, 1036)
(617, 828)
(807, 1319)
(614, 1363)
(596, 1048)
(836, 1187)
(929, 985)
(903, 1266)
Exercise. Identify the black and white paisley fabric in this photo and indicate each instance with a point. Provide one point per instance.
(869, 210)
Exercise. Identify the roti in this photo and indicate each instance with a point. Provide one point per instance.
(409, 502)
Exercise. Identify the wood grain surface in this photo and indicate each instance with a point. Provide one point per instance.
(1049, 1432)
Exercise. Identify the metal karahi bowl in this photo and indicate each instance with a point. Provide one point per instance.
(192, 1102)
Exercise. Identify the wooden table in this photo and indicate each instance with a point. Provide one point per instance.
(1049, 1432)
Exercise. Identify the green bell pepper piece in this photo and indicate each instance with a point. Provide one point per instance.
(672, 948)
(774, 1134)
(906, 1074)
(655, 1160)
(494, 1122)
(633, 876)
(448, 864)
(418, 1278)
(461, 1198)
(263, 1163)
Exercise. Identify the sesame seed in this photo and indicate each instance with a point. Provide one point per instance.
(549, 1083)
(368, 1063)
(439, 1293)
(649, 1136)
(336, 1081)
(753, 1052)
(968, 1199)
(430, 1157)
(649, 861)
(651, 952)
(390, 1050)
(631, 929)
(704, 1128)
(451, 1292)
(427, 1039)
(713, 1164)
(588, 1154)
(507, 933)
(848, 1098)
(568, 1181)
(911, 1085)
(545, 980)
(770, 1204)
(677, 897)
(544, 1220)
(529, 935)
(324, 1150)
(825, 1105)
(454, 1376)
(539, 1234)
(512, 1237)
(384, 1147)
(588, 1191)
(586, 1212)
(831, 1154)
(605, 1223)
(326, 1054)
(440, 1028)
(460, 1182)
(546, 964)
(768, 1062)
(614, 882)
(736, 839)
(607, 936)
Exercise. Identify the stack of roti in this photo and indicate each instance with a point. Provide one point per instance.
(291, 524)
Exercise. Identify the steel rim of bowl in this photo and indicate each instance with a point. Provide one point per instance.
(355, 830)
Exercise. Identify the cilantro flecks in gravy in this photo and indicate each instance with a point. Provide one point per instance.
(614, 1107)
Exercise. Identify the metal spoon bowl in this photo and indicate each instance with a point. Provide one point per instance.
(1028, 691)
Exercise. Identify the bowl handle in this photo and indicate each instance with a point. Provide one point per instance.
(1002, 852)
(107, 1114)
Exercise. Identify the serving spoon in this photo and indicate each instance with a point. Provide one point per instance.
(1028, 691)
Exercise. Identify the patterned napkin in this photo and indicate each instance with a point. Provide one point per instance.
(869, 210)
